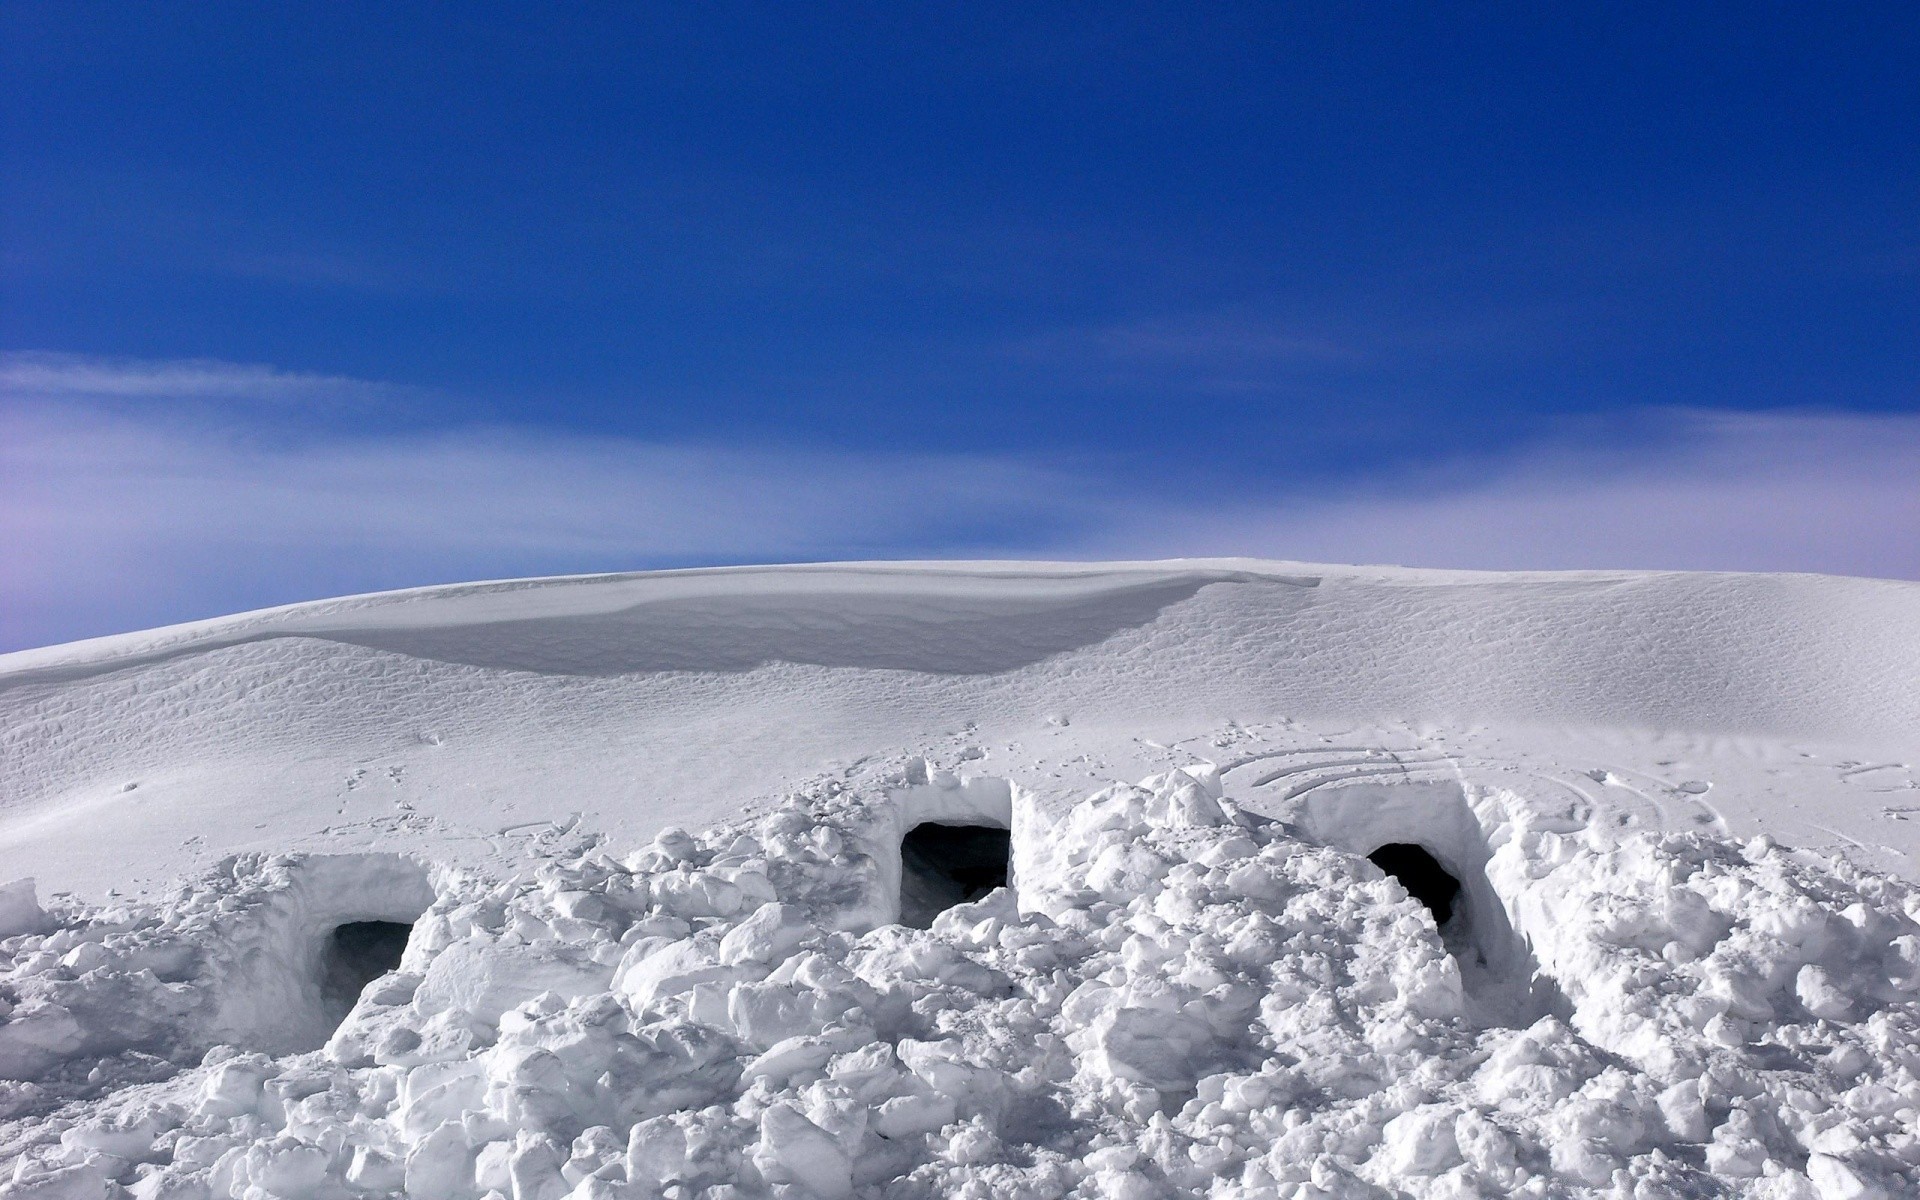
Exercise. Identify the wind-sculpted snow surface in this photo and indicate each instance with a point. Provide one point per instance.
(1176, 998)
(447, 721)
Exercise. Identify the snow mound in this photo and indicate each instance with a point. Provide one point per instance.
(1173, 997)
(447, 722)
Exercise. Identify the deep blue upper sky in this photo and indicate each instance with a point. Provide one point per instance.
(1319, 241)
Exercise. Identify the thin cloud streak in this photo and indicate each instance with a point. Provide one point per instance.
(48, 375)
(1241, 352)
(1818, 492)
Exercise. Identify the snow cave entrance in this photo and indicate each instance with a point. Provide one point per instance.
(950, 842)
(1422, 875)
(943, 865)
(326, 926)
(1427, 837)
(354, 955)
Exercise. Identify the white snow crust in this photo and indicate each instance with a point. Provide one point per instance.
(1684, 958)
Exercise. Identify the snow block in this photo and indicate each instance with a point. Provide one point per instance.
(19, 909)
(483, 978)
(792, 1149)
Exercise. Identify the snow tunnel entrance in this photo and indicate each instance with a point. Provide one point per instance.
(943, 865)
(1429, 837)
(1422, 875)
(356, 954)
(321, 927)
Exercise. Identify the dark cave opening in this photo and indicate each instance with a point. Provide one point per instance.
(944, 865)
(1422, 875)
(356, 954)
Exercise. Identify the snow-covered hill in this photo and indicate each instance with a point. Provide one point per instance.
(1587, 979)
(460, 720)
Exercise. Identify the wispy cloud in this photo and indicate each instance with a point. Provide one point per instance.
(119, 520)
(120, 516)
(1679, 490)
(35, 374)
(1203, 339)
(1215, 353)
(1244, 353)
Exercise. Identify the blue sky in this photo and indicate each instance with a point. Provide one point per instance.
(302, 300)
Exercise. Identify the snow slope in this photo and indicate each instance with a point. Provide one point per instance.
(459, 719)
(405, 905)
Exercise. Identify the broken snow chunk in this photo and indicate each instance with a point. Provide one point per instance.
(1181, 800)
(373, 1170)
(675, 844)
(1821, 994)
(534, 1168)
(947, 1067)
(597, 1153)
(801, 1055)
(486, 978)
(972, 1143)
(1836, 1179)
(1902, 963)
(491, 1170)
(1684, 1111)
(127, 1135)
(527, 1088)
(233, 1087)
(1227, 850)
(81, 1181)
(579, 905)
(1126, 870)
(768, 936)
(913, 1115)
(87, 956)
(1431, 986)
(656, 925)
(761, 1014)
(1164, 1050)
(656, 968)
(1745, 993)
(657, 1152)
(440, 1165)
(395, 987)
(792, 1149)
(20, 910)
(1260, 879)
(436, 1093)
(1421, 1142)
(692, 895)
(285, 1167)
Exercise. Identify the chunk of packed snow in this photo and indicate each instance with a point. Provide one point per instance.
(19, 909)
(1181, 999)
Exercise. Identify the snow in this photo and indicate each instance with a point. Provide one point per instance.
(465, 720)
(647, 832)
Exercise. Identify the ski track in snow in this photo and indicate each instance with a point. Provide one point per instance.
(1682, 959)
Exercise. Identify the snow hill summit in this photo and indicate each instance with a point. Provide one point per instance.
(1223, 878)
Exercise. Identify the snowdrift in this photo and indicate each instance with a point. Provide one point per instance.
(455, 720)
(1224, 879)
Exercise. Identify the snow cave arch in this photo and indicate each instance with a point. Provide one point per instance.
(298, 968)
(951, 842)
(1427, 836)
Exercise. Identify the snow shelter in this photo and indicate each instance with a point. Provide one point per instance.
(950, 843)
(942, 865)
(1422, 875)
